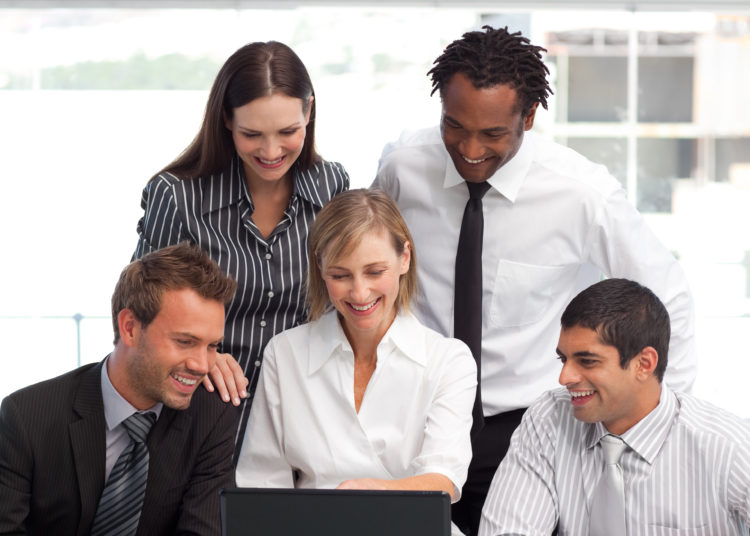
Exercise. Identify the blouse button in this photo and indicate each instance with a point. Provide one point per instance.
(270, 293)
(268, 256)
(262, 323)
(257, 364)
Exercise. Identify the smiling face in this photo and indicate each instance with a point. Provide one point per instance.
(363, 286)
(172, 354)
(482, 129)
(600, 389)
(269, 134)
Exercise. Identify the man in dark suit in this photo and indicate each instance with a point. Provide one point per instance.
(62, 439)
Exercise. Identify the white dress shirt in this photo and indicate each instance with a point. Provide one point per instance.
(686, 471)
(414, 418)
(552, 221)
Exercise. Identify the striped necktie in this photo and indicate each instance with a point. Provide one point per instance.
(122, 498)
(607, 515)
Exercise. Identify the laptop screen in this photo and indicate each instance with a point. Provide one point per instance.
(295, 512)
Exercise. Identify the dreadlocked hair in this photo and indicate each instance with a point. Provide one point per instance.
(492, 58)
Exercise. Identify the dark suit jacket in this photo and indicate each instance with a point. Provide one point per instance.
(52, 457)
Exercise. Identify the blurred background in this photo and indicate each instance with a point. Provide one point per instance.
(96, 96)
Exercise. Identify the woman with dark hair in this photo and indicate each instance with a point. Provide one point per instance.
(246, 190)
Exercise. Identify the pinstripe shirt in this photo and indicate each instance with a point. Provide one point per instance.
(215, 213)
(686, 470)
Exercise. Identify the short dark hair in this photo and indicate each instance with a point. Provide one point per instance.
(255, 70)
(625, 315)
(143, 282)
(492, 58)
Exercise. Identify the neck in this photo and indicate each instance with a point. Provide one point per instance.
(117, 370)
(646, 401)
(273, 189)
(365, 344)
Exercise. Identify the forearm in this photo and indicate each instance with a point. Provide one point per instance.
(425, 482)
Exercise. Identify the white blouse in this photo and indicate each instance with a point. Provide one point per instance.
(414, 418)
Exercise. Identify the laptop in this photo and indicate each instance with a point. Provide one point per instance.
(295, 512)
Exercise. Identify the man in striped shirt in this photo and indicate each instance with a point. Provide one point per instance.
(685, 465)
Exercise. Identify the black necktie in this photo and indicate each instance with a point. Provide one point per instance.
(122, 498)
(467, 308)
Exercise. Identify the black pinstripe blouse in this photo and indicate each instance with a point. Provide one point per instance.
(214, 212)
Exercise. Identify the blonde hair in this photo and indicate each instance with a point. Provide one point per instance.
(338, 230)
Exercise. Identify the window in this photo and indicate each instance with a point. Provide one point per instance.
(95, 101)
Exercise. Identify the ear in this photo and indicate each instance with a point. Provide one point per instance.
(309, 109)
(405, 258)
(528, 121)
(227, 121)
(129, 326)
(646, 362)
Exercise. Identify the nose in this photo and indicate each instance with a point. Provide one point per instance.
(271, 148)
(201, 361)
(568, 374)
(359, 292)
(471, 148)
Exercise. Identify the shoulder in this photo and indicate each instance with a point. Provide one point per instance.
(564, 163)
(322, 181)
(58, 386)
(162, 181)
(209, 414)
(552, 405)
(46, 401)
(709, 423)
(440, 352)
(296, 335)
(435, 341)
(551, 416)
(423, 141)
(416, 159)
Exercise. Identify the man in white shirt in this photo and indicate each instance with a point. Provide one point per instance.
(553, 222)
(683, 466)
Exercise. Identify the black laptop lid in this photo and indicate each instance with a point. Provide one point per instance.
(295, 512)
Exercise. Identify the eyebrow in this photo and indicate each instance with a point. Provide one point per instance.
(370, 265)
(293, 125)
(190, 336)
(490, 130)
(582, 353)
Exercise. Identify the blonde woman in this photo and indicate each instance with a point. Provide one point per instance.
(363, 396)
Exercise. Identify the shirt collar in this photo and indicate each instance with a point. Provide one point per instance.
(225, 188)
(328, 337)
(116, 408)
(647, 436)
(230, 186)
(508, 179)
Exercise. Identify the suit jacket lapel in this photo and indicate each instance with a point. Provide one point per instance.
(88, 443)
(165, 446)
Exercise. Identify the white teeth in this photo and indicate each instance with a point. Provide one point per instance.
(270, 162)
(364, 307)
(184, 381)
(578, 394)
(470, 161)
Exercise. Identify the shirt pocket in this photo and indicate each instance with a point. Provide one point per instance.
(660, 530)
(523, 293)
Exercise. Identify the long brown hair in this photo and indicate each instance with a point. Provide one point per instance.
(255, 70)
